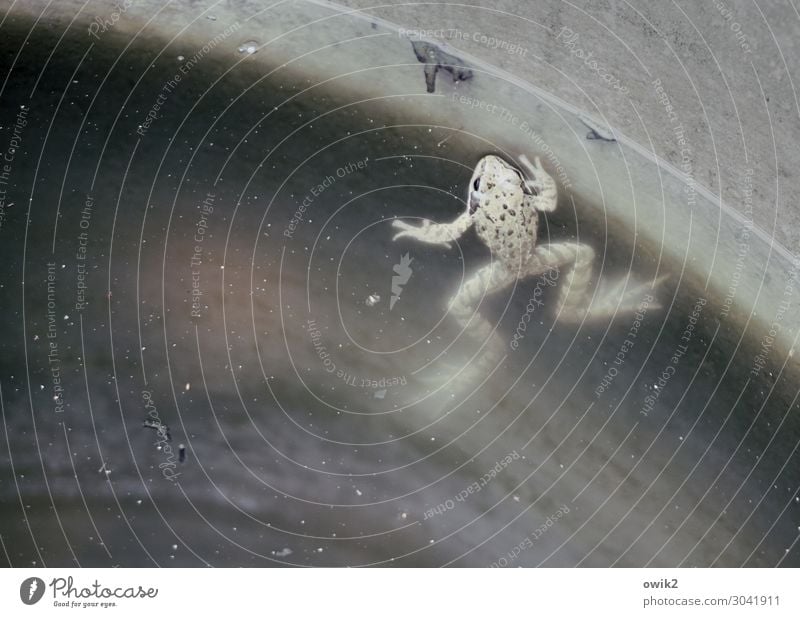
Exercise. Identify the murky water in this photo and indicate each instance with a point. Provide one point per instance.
(224, 266)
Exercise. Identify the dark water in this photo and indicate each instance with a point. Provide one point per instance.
(353, 451)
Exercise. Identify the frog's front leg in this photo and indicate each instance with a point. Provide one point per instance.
(541, 191)
(434, 233)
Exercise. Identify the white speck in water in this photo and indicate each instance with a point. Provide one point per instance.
(372, 300)
(516, 498)
(188, 386)
(181, 58)
(138, 502)
(403, 515)
(284, 552)
(174, 547)
(359, 493)
(248, 47)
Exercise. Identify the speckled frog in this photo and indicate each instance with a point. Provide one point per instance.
(504, 204)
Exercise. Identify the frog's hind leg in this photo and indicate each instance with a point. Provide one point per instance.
(463, 308)
(573, 263)
(576, 300)
(570, 260)
(464, 305)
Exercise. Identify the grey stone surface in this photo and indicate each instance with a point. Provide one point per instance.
(728, 67)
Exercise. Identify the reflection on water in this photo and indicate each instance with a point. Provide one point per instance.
(224, 280)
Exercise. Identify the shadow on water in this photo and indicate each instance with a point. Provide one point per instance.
(237, 260)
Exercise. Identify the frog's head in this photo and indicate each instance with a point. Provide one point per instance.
(491, 174)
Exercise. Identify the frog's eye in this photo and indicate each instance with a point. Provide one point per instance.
(477, 184)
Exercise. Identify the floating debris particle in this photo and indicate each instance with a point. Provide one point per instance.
(379, 394)
(181, 453)
(372, 300)
(159, 427)
(248, 47)
(439, 145)
(434, 59)
(284, 552)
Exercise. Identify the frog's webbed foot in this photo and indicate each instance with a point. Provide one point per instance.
(541, 191)
(465, 379)
(618, 297)
(535, 170)
(468, 373)
(624, 296)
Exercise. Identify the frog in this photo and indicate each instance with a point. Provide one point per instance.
(503, 205)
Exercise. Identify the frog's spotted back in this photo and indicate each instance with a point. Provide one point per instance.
(497, 199)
